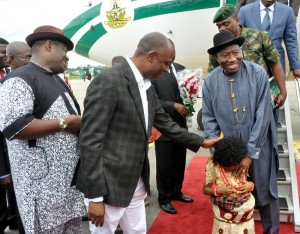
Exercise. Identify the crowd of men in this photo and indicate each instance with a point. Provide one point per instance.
(56, 165)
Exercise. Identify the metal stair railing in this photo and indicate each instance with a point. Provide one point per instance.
(293, 196)
(287, 178)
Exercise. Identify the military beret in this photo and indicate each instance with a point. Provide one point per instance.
(224, 12)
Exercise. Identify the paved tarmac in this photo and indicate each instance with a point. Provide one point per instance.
(79, 88)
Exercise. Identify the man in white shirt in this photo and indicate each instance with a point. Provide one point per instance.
(121, 107)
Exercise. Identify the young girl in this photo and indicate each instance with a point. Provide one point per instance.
(230, 194)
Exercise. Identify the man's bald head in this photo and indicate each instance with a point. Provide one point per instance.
(18, 54)
(154, 41)
(154, 53)
(16, 47)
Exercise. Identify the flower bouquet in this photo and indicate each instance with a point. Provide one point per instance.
(189, 85)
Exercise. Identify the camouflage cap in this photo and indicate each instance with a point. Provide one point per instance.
(224, 12)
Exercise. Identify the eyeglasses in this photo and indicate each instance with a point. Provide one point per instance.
(227, 55)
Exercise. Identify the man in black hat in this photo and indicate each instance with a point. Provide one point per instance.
(39, 117)
(236, 102)
(257, 48)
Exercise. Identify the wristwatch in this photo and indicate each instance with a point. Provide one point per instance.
(62, 124)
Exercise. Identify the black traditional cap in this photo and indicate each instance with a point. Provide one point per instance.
(224, 12)
(49, 32)
(224, 39)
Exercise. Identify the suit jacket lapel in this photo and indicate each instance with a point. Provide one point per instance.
(276, 18)
(256, 15)
(135, 93)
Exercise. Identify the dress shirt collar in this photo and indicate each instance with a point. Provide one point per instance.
(142, 83)
(262, 7)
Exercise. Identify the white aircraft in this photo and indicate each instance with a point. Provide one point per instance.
(114, 27)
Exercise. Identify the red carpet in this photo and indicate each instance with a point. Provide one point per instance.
(197, 217)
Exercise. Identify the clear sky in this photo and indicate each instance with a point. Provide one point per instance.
(20, 17)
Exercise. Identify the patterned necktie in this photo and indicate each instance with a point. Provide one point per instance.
(266, 21)
(1, 74)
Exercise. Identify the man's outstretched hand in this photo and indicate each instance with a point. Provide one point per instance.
(208, 143)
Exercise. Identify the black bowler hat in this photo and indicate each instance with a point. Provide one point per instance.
(49, 32)
(224, 39)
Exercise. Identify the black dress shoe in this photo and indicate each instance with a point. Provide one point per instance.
(168, 208)
(183, 198)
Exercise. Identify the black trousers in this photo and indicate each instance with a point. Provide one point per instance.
(3, 211)
(170, 166)
(8, 209)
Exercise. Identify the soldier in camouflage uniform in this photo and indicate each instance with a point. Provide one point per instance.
(258, 47)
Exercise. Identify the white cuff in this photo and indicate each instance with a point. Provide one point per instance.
(1, 177)
(88, 200)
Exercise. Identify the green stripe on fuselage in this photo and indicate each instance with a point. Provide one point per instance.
(233, 2)
(173, 7)
(81, 20)
(86, 42)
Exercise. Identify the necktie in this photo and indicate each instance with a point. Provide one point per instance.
(266, 21)
(171, 70)
(1, 74)
(172, 73)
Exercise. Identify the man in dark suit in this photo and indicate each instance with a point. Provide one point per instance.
(170, 156)
(292, 3)
(121, 106)
(8, 214)
(281, 28)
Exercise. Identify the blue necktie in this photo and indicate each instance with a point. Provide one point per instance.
(266, 21)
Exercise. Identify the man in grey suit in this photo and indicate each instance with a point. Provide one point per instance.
(292, 3)
(121, 106)
(281, 27)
